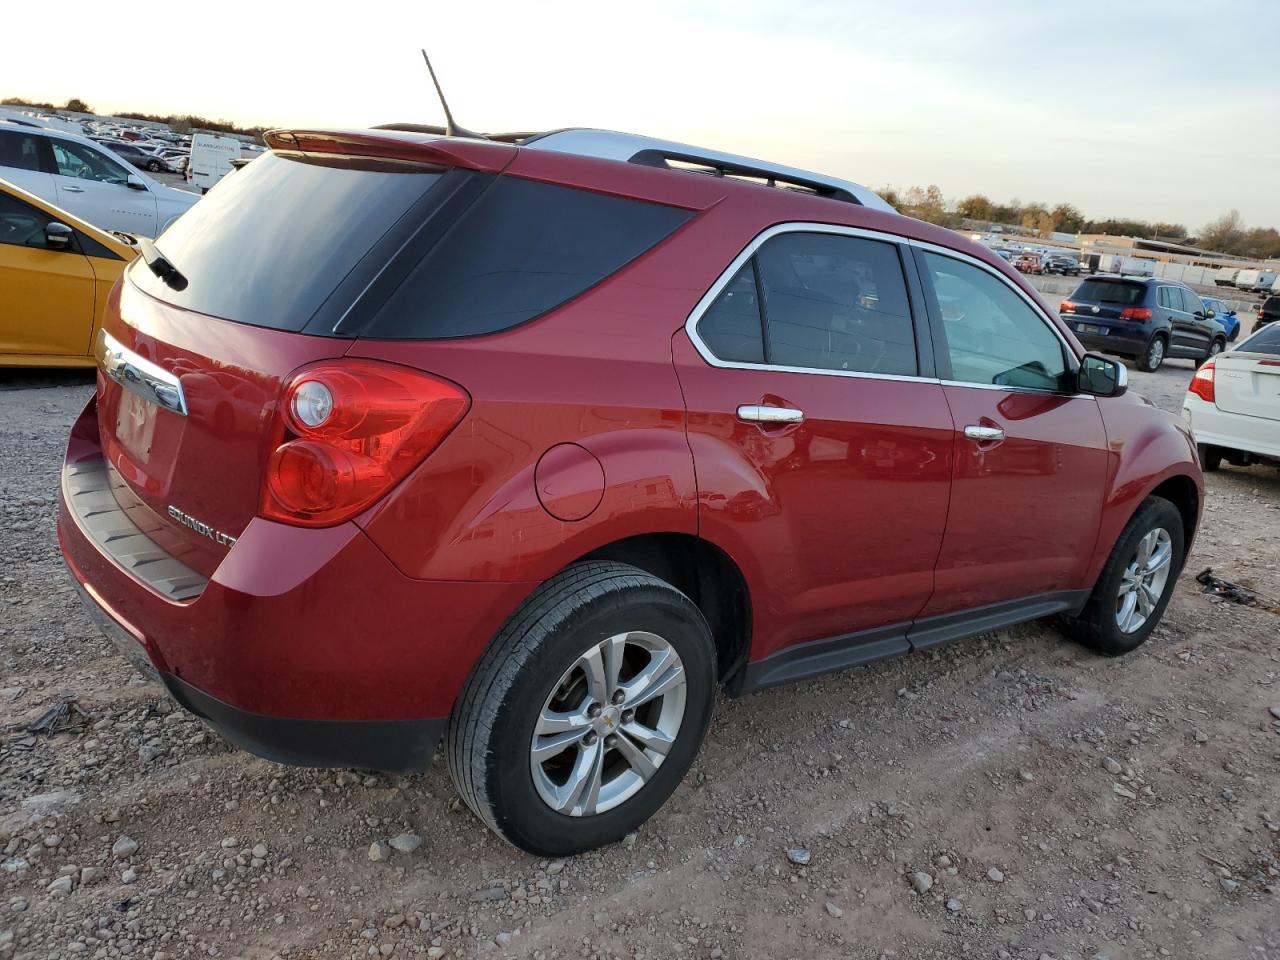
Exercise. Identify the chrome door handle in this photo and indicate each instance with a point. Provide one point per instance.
(983, 433)
(761, 413)
(74, 189)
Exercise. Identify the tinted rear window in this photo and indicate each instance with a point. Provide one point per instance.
(1111, 291)
(521, 249)
(1266, 340)
(270, 243)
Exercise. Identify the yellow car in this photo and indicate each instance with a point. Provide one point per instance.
(55, 274)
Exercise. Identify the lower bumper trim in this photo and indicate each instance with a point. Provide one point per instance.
(392, 746)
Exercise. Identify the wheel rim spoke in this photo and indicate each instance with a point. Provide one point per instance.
(581, 791)
(544, 748)
(648, 738)
(1144, 581)
(592, 663)
(659, 675)
(635, 757)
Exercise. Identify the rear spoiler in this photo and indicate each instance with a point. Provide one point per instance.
(478, 155)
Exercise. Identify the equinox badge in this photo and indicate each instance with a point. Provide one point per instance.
(202, 528)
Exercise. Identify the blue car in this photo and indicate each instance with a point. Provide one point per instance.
(1225, 315)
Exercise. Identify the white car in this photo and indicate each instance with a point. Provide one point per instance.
(1233, 403)
(88, 180)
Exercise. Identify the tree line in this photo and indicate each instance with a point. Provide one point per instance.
(1226, 234)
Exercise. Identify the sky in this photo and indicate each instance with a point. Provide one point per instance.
(1163, 111)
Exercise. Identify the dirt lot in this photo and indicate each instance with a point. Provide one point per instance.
(1008, 796)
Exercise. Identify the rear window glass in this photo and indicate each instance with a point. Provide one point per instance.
(1266, 340)
(1110, 291)
(273, 240)
(521, 249)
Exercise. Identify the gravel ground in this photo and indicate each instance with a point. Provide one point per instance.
(1007, 796)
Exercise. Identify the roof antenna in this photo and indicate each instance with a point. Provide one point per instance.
(451, 129)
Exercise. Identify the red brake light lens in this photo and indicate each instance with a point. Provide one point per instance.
(1135, 313)
(1202, 383)
(1067, 307)
(348, 432)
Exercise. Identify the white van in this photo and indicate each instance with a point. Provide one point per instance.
(211, 158)
(1257, 281)
(1225, 277)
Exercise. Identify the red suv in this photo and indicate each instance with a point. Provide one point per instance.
(532, 445)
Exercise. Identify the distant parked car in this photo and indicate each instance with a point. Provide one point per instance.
(1062, 263)
(1269, 312)
(1233, 403)
(1028, 263)
(1225, 315)
(89, 180)
(1148, 320)
(1226, 277)
(142, 157)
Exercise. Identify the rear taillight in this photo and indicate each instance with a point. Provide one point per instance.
(1067, 307)
(1202, 383)
(1135, 313)
(348, 431)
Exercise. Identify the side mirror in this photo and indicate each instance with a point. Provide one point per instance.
(58, 236)
(136, 183)
(1209, 313)
(1102, 376)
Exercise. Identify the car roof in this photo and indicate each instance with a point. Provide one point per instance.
(108, 240)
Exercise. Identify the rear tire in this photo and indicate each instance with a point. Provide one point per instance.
(1210, 457)
(537, 715)
(1108, 623)
(1215, 348)
(1153, 356)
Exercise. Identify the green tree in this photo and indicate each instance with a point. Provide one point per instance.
(1224, 234)
(76, 105)
(975, 207)
(1067, 218)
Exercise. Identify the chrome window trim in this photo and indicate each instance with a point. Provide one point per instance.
(798, 226)
(139, 375)
(760, 239)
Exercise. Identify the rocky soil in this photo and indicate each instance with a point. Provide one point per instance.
(1007, 796)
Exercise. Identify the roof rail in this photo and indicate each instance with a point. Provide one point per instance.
(660, 153)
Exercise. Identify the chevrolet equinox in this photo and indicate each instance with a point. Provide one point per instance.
(529, 445)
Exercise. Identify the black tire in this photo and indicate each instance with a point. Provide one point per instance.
(1210, 457)
(1215, 348)
(492, 725)
(1096, 626)
(153, 167)
(1151, 359)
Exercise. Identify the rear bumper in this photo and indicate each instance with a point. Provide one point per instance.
(305, 646)
(1127, 340)
(1232, 431)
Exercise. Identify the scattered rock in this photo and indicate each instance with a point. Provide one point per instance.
(1112, 766)
(921, 881)
(1121, 790)
(406, 842)
(954, 905)
(995, 875)
(379, 851)
(834, 910)
(60, 886)
(800, 856)
(260, 851)
(1229, 885)
(124, 848)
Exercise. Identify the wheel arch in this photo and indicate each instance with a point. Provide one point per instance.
(706, 574)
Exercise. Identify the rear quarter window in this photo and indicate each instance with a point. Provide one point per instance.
(521, 249)
(1266, 340)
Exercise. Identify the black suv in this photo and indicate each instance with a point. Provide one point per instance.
(1269, 312)
(1062, 263)
(1147, 319)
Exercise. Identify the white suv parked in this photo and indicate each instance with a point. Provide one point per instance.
(88, 180)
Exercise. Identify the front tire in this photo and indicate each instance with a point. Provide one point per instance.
(1153, 357)
(585, 712)
(1136, 583)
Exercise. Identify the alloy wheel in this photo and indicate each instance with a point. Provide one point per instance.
(1144, 580)
(608, 724)
(1157, 352)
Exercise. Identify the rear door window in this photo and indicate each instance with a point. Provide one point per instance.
(835, 302)
(732, 328)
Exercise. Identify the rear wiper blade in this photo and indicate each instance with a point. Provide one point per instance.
(160, 266)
